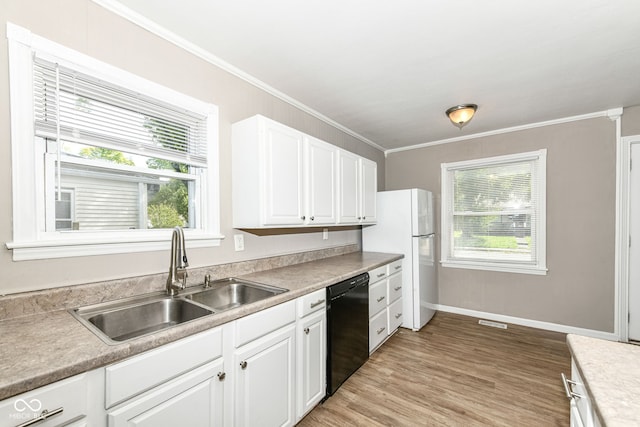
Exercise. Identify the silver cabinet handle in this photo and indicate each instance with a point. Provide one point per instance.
(398, 267)
(398, 288)
(42, 417)
(312, 218)
(364, 217)
(317, 303)
(567, 387)
(303, 217)
(306, 331)
(381, 330)
(381, 275)
(243, 364)
(399, 315)
(380, 299)
(221, 376)
(359, 218)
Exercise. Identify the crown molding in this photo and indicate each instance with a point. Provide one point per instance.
(160, 31)
(611, 114)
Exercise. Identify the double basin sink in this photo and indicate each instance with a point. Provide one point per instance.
(122, 320)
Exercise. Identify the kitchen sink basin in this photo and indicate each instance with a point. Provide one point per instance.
(120, 321)
(229, 293)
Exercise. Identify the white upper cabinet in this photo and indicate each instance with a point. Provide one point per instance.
(320, 181)
(357, 188)
(285, 178)
(267, 174)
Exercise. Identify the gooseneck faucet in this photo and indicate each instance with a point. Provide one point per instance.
(177, 279)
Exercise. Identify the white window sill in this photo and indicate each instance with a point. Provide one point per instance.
(81, 244)
(501, 267)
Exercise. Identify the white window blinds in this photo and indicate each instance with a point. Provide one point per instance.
(494, 210)
(79, 108)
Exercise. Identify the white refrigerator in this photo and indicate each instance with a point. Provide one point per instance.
(405, 225)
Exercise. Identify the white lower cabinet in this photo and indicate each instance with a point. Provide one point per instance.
(264, 372)
(311, 352)
(385, 303)
(581, 409)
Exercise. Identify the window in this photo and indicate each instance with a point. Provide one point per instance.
(493, 213)
(140, 158)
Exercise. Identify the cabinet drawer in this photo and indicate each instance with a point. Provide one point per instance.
(377, 274)
(394, 287)
(377, 297)
(312, 302)
(394, 313)
(261, 323)
(583, 404)
(377, 329)
(394, 267)
(142, 372)
(69, 394)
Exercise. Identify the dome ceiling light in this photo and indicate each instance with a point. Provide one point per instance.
(460, 115)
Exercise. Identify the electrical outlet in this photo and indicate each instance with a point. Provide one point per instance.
(325, 234)
(238, 239)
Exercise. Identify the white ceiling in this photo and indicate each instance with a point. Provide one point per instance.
(387, 70)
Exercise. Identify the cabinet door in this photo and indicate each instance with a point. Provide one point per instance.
(264, 380)
(195, 398)
(348, 188)
(321, 182)
(283, 196)
(368, 188)
(311, 358)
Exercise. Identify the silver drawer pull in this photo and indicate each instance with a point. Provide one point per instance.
(398, 288)
(567, 388)
(398, 267)
(221, 376)
(381, 330)
(306, 331)
(42, 417)
(317, 303)
(399, 315)
(243, 364)
(382, 274)
(380, 299)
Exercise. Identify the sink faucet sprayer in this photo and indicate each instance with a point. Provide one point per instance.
(178, 268)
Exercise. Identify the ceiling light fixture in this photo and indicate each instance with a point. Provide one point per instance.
(460, 115)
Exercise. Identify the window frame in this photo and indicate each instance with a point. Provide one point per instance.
(538, 194)
(30, 238)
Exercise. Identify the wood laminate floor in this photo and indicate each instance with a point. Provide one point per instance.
(455, 372)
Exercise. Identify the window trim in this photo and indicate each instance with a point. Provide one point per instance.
(30, 241)
(540, 267)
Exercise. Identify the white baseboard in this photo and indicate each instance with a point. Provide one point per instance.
(529, 322)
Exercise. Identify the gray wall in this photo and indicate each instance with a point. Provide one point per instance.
(581, 163)
(86, 27)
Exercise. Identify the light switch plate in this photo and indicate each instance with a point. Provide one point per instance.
(325, 234)
(238, 239)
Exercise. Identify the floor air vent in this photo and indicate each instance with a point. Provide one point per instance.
(493, 324)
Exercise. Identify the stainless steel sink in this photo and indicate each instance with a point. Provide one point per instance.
(229, 293)
(120, 321)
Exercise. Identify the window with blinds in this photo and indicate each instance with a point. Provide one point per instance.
(493, 213)
(133, 162)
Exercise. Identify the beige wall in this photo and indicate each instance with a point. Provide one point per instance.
(86, 27)
(631, 121)
(579, 287)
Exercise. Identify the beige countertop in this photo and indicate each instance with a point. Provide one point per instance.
(43, 348)
(611, 373)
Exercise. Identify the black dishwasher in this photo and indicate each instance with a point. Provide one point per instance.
(347, 329)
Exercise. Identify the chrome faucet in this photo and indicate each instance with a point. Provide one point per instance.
(177, 279)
